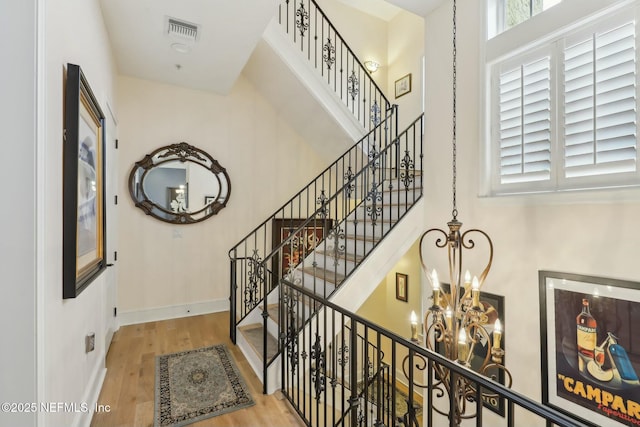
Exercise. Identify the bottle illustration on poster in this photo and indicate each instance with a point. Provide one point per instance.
(607, 362)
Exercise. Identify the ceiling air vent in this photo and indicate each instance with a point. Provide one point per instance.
(182, 29)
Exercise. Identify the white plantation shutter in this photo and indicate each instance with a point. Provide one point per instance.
(524, 106)
(600, 104)
(564, 112)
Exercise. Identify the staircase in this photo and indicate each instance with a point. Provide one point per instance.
(323, 234)
(320, 238)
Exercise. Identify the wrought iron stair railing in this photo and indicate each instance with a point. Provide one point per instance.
(318, 397)
(252, 278)
(377, 189)
(320, 42)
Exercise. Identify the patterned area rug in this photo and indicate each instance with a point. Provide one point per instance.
(197, 384)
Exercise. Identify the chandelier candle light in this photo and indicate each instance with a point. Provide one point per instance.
(457, 323)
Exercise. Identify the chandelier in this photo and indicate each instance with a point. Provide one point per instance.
(458, 325)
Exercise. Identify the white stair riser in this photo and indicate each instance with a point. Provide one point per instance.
(358, 246)
(401, 197)
(384, 212)
(317, 284)
(366, 228)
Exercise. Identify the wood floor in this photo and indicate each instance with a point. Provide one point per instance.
(129, 385)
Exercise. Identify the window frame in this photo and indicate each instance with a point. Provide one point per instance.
(553, 43)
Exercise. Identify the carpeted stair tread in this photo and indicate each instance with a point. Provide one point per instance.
(253, 334)
(327, 275)
(363, 237)
(347, 256)
(272, 309)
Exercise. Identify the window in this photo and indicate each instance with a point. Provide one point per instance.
(564, 115)
(525, 122)
(599, 74)
(513, 12)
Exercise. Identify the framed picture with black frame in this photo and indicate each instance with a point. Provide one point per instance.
(402, 287)
(83, 198)
(590, 347)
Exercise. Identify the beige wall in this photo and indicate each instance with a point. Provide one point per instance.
(593, 233)
(383, 308)
(397, 44)
(405, 52)
(365, 34)
(164, 265)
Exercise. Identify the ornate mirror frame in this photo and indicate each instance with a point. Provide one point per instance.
(181, 152)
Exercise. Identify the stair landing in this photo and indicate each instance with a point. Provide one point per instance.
(253, 334)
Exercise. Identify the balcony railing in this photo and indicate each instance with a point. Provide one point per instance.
(320, 42)
(326, 390)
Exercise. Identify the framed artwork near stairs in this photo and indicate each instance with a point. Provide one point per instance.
(299, 246)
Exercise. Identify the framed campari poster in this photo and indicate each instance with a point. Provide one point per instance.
(590, 347)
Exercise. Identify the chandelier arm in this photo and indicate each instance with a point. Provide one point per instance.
(439, 243)
(501, 367)
(468, 243)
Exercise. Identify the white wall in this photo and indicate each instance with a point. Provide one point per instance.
(18, 39)
(170, 270)
(593, 233)
(74, 32)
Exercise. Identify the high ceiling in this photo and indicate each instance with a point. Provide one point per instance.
(227, 33)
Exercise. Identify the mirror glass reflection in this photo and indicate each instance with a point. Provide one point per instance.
(179, 184)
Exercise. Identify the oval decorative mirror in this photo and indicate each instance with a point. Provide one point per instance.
(180, 184)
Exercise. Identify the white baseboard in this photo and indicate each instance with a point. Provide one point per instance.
(91, 399)
(172, 312)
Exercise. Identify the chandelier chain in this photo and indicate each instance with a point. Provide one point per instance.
(454, 212)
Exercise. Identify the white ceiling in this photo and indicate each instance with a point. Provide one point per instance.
(388, 9)
(228, 33)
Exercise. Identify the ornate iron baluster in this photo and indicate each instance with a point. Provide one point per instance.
(290, 300)
(322, 201)
(349, 188)
(329, 55)
(408, 173)
(343, 355)
(302, 23)
(353, 85)
(292, 263)
(375, 113)
(336, 235)
(256, 274)
(317, 369)
(374, 197)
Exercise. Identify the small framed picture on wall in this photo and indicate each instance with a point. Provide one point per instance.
(402, 287)
(403, 85)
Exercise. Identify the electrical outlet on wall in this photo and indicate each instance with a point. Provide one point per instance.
(90, 342)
